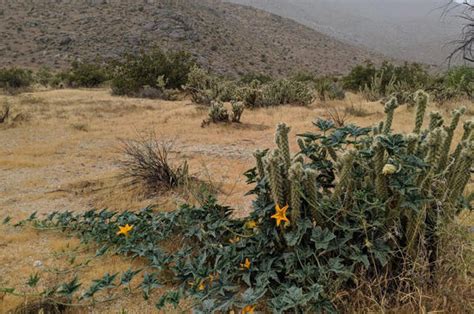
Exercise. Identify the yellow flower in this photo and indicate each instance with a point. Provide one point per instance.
(248, 309)
(246, 264)
(251, 224)
(280, 214)
(389, 169)
(125, 230)
(202, 286)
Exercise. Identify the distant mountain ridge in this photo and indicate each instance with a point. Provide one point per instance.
(228, 38)
(412, 30)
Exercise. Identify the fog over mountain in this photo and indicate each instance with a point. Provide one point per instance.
(415, 30)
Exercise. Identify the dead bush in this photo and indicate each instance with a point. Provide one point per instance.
(146, 162)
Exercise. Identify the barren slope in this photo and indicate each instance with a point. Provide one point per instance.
(226, 37)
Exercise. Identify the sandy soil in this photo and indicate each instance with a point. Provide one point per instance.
(64, 157)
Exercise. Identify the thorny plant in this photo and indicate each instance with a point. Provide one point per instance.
(353, 203)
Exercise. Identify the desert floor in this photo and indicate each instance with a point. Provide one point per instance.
(64, 156)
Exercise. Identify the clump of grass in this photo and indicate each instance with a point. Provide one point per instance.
(80, 127)
(356, 111)
(146, 162)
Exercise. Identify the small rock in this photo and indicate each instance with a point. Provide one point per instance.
(37, 264)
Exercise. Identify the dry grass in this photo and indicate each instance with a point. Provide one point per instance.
(46, 164)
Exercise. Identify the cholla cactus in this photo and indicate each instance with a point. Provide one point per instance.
(277, 181)
(237, 110)
(296, 173)
(345, 175)
(412, 140)
(421, 99)
(463, 172)
(456, 115)
(259, 155)
(436, 120)
(217, 112)
(468, 130)
(281, 139)
(390, 107)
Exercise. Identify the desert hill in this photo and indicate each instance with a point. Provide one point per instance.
(228, 38)
(415, 30)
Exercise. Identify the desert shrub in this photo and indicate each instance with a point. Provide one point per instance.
(238, 108)
(225, 90)
(199, 85)
(360, 76)
(44, 76)
(218, 113)
(82, 74)
(329, 89)
(304, 76)
(250, 77)
(357, 216)
(14, 78)
(283, 91)
(9, 117)
(145, 162)
(275, 93)
(136, 71)
(460, 79)
(387, 80)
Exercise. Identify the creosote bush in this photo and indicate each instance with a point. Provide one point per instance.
(15, 78)
(356, 218)
(134, 72)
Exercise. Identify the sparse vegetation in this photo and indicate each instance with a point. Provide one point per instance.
(358, 218)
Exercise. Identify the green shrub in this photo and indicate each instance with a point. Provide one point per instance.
(82, 74)
(136, 71)
(14, 78)
(387, 80)
(44, 76)
(329, 89)
(357, 216)
(275, 93)
(250, 77)
(460, 79)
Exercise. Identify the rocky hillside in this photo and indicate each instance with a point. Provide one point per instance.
(228, 38)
